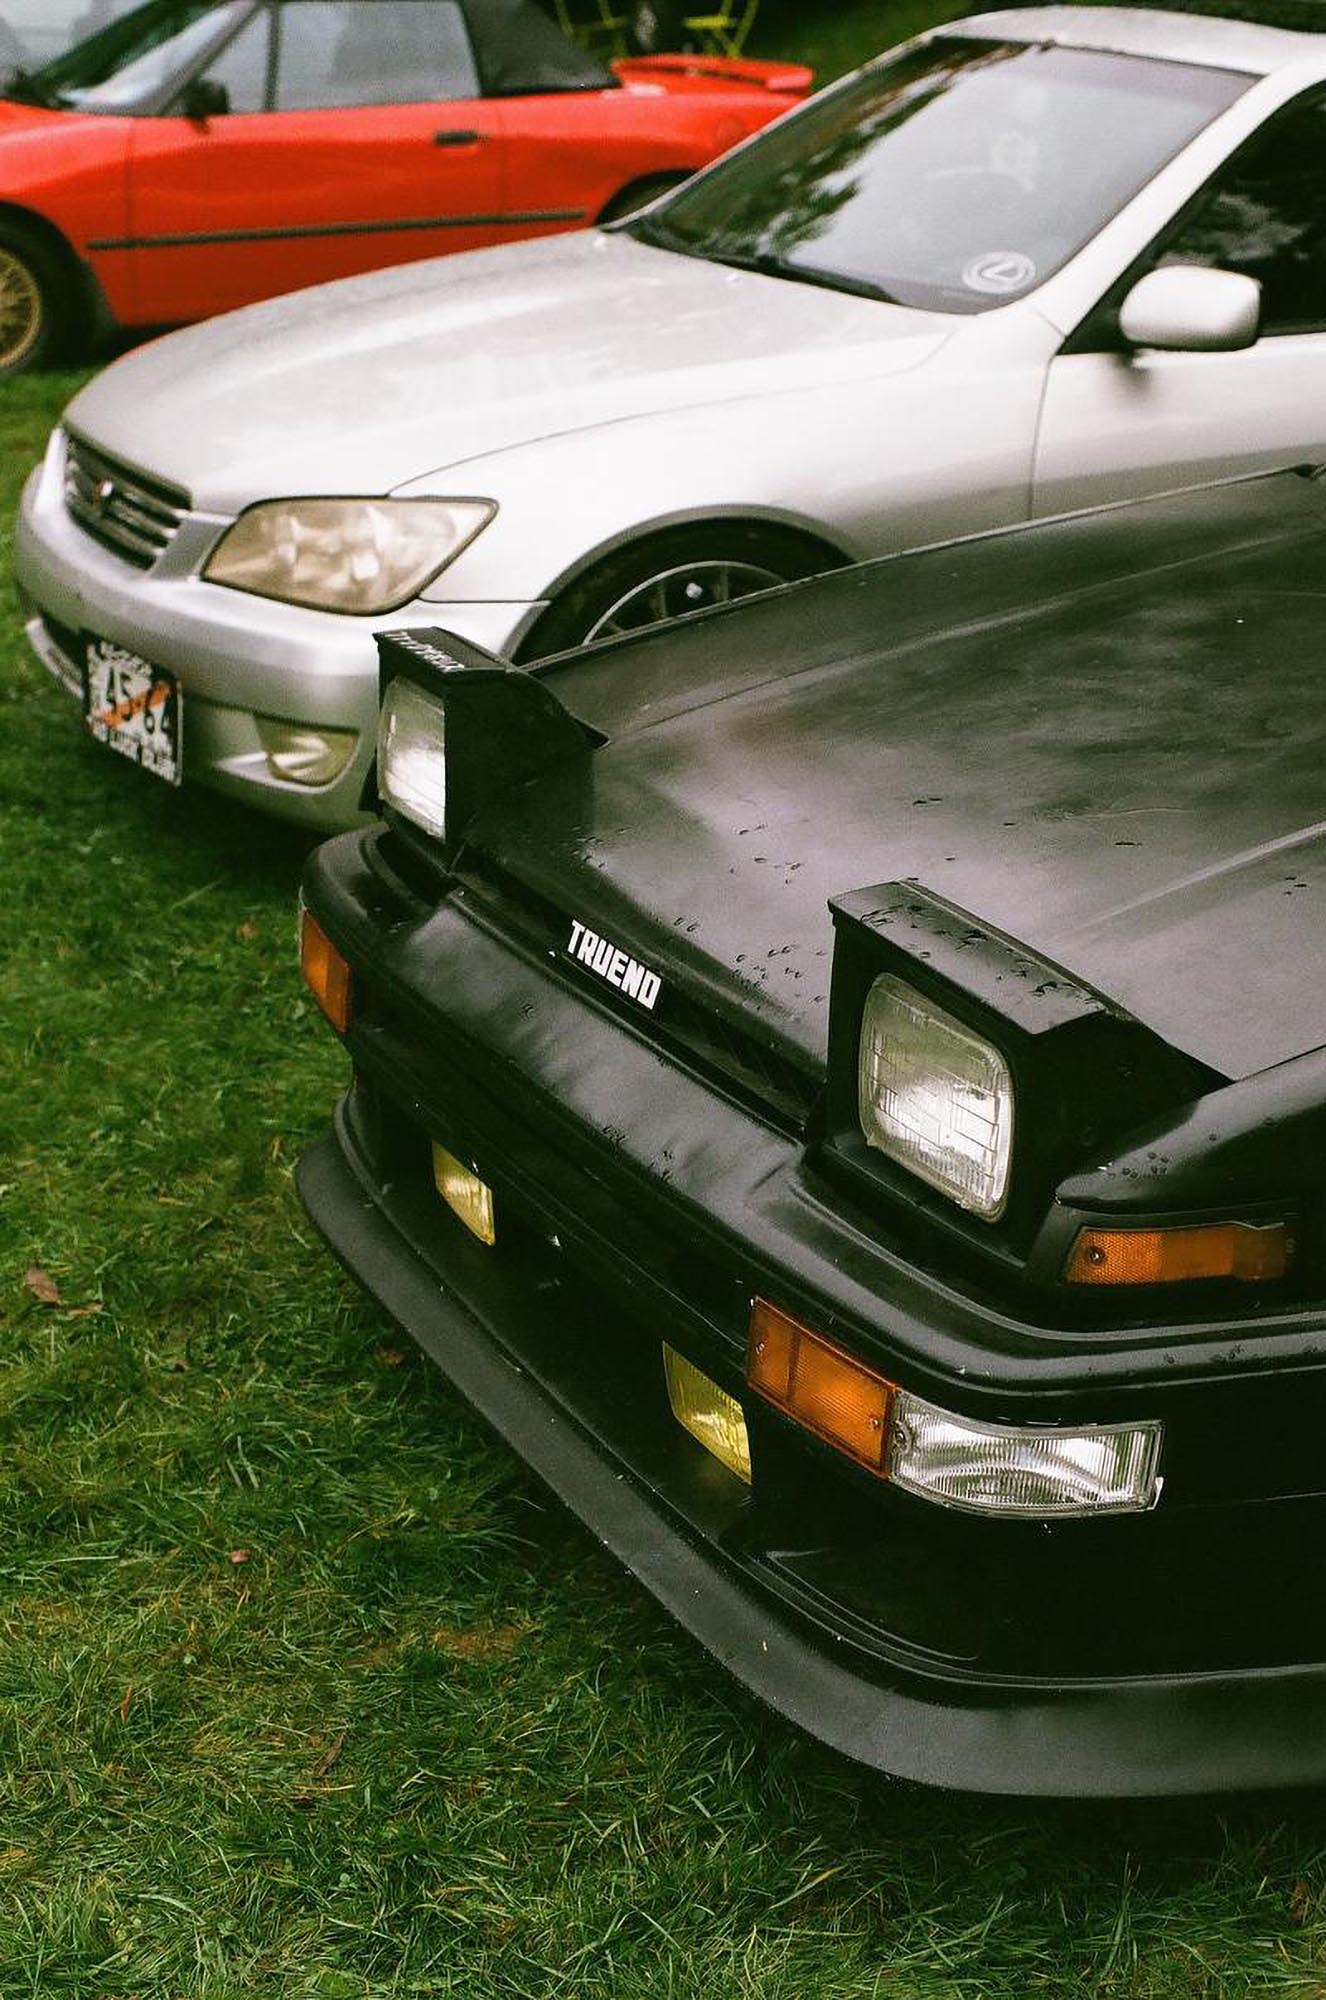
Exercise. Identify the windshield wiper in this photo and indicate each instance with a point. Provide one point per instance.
(769, 265)
(654, 230)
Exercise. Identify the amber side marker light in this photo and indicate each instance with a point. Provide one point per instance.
(326, 973)
(840, 1399)
(1239, 1250)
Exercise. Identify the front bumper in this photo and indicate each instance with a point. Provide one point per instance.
(1178, 1652)
(236, 657)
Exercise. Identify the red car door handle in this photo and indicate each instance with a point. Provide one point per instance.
(450, 138)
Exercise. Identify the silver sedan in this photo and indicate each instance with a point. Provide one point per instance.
(1031, 262)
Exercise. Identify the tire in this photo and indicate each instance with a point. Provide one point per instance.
(682, 569)
(32, 299)
(655, 27)
(639, 194)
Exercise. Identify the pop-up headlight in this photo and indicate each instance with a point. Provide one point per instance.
(412, 764)
(935, 1097)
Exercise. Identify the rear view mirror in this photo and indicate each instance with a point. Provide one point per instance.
(1188, 308)
(204, 98)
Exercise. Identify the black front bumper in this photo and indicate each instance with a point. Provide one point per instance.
(1178, 1652)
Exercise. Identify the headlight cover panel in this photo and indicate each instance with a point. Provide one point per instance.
(1078, 1071)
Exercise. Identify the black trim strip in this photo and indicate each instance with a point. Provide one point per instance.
(337, 229)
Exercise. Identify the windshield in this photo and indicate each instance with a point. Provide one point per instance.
(133, 59)
(957, 177)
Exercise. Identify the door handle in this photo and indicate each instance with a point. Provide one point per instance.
(450, 137)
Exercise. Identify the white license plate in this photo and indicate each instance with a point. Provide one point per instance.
(134, 708)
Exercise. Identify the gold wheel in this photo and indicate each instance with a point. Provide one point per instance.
(21, 309)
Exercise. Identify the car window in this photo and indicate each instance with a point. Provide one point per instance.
(957, 176)
(241, 66)
(133, 60)
(1265, 215)
(341, 52)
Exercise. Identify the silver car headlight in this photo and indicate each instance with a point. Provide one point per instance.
(412, 756)
(361, 556)
(935, 1097)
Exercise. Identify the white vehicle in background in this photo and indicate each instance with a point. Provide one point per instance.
(1031, 262)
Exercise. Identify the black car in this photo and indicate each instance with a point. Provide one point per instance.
(840, 1083)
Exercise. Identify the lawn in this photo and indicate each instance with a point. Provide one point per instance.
(306, 1689)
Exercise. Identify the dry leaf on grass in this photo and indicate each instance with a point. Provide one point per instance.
(42, 1286)
(328, 1758)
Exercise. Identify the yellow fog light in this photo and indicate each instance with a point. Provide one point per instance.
(707, 1412)
(465, 1194)
(302, 755)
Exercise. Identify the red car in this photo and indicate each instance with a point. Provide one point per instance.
(199, 154)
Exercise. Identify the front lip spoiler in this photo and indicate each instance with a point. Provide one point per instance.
(1171, 1736)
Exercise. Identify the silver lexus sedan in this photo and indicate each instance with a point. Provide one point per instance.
(1027, 263)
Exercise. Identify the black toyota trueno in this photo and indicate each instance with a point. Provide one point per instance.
(840, 1083)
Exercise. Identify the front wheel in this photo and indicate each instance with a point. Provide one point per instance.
(30, 297)
(684, 569)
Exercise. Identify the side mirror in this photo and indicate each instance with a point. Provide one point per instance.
(204, 98)
(1188, 308)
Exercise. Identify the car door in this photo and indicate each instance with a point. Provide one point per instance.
(1119, 423)
(356, 136)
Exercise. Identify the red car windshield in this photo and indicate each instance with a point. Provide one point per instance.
(133, 58)
(955, 178)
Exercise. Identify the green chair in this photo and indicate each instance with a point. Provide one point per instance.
(615, 27)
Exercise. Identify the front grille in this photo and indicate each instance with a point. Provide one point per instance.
(137, 517)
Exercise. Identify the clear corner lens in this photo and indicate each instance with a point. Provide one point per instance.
(412, 768)
(935, 1097)
(1033, 1474)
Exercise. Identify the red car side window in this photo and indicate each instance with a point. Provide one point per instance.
(338, 52)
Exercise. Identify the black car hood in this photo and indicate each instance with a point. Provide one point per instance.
(1127, 778)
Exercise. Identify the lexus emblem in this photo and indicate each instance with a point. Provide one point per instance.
(105, 494)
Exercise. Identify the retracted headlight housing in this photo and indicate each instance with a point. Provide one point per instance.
(360, 556)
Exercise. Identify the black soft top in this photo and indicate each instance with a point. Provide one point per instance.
(520, 48)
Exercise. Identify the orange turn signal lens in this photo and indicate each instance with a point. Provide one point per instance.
(1174, 1256)
(827, 1391)
(325, 972)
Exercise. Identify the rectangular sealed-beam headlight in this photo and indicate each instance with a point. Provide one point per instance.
(412, 763)
(1037, 1474)
(935, 1097)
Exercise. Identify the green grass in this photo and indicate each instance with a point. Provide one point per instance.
(425, 1738)
(836, 37)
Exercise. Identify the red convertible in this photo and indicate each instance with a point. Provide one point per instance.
(196, 155)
